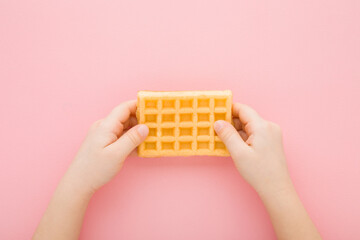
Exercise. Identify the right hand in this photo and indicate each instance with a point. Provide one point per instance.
(256, 148)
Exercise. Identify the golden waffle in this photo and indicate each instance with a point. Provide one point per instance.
(181, 122)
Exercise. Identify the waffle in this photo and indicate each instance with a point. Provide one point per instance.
(181, 122)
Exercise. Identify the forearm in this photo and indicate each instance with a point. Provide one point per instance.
(102, 154)
(64, 215)
(288, 215)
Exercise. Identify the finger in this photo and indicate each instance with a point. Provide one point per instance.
(130, 140)
(243, 135)
(122, 112)
(114, 122)
(247, 115)
(132, 121)
(230, 137)
(237, 123)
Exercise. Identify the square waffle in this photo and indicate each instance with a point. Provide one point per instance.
(181, 122)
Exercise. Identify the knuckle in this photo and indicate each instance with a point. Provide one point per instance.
(278, 128)
(275, 130)
(227, 134)
(248, 127)
(120, 108)
(95, 124)
(275, 127)
(267, 125)
(264, 125)
(259, 126)
(133, 137)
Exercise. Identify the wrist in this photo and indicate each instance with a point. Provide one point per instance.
(276, 188)
(75, 185)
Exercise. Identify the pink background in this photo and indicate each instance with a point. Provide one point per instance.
(65, 64)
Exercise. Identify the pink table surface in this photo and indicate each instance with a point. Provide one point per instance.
(65, 64)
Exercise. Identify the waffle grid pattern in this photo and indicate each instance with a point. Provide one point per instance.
(181, 123)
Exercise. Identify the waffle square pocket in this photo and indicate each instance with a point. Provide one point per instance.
(181, 122)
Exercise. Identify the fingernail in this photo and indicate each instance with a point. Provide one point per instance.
(218, 125)
(143, 130)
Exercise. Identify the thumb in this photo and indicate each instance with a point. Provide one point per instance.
(230, 137)
(131, 139)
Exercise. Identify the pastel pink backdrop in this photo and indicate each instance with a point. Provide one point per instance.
(65, 64)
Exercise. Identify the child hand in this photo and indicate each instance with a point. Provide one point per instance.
(256, 148)
(254, 144)
(108, 142)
